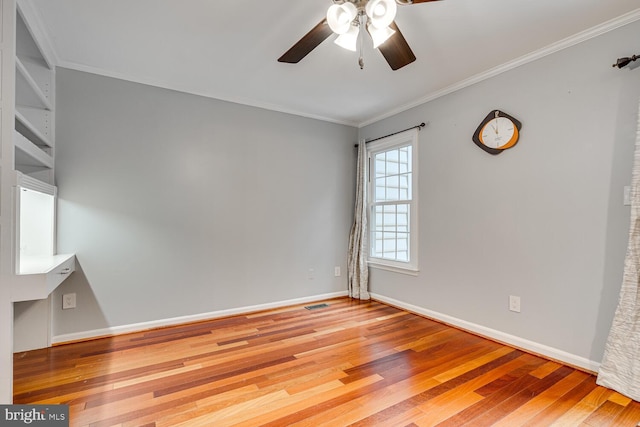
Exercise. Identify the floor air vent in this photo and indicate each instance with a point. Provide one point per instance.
(317, 306)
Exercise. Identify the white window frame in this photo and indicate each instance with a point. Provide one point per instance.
(407, 138)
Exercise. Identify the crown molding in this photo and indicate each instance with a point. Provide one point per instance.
(169, 86)
(628, 18)
(580, 37)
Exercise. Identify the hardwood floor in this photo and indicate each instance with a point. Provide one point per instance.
(351, 363)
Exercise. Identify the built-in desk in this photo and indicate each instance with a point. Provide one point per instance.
(39, 276)
(38, 269)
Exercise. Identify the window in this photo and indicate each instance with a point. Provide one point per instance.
(393, 203)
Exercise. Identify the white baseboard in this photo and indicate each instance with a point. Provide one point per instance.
(515, 341)
(144, 326)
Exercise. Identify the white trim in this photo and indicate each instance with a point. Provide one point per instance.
(26, 181)
(518, 342)
(410, 271)
(525, 59)
(145, 326)
(207, 94)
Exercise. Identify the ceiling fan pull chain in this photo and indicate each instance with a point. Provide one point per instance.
(361, 22)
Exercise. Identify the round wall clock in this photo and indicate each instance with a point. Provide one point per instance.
(497, 132)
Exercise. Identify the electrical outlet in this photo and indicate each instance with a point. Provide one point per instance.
(312, 274)
(514, 303)
(336, 271)
(68, 301)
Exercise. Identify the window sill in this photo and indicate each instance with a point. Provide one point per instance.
(411, 271)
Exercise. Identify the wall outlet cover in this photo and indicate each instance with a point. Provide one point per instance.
(68, 301)
(514, 303)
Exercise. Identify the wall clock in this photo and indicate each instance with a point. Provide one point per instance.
(497, 132)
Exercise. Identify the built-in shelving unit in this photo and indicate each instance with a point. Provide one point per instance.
(38, 269)
(34, 110)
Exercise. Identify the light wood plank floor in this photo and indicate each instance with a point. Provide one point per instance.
(349, 364)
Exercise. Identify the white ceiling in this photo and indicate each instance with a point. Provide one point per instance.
(229, 50)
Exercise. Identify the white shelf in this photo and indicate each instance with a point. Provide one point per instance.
(30, 155)
(28, 46)
(30, 131)
(40, 73)
(30, 93)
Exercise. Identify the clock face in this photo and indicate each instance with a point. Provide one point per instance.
(497, 132)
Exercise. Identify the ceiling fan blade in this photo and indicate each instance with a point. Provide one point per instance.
(396, 50)
(306, 44)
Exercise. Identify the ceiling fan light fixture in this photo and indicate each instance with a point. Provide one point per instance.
(381, 13)
(340, 16)
(349, 19)
(380, 35)
(349, 40)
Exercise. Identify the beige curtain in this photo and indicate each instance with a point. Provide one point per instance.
(357, 263)
(620, 368)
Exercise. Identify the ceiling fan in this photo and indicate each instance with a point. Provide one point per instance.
(346, 18)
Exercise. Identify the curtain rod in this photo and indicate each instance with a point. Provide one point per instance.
(419, 127)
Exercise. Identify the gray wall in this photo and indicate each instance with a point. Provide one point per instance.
(544, 220)
(178, 205)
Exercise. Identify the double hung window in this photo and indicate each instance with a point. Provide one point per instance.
(393, 203)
